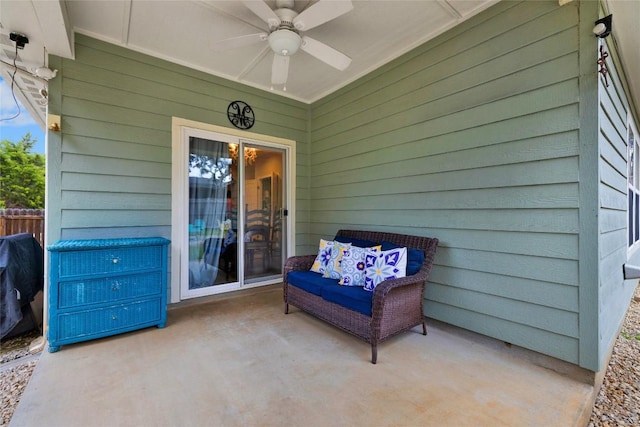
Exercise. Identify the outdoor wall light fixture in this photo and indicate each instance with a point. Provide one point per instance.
(44, 100)
(603, 26)
(45, 73)
(601, 30)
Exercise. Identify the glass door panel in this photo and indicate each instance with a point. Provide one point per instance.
(212, 214)
(263, 191)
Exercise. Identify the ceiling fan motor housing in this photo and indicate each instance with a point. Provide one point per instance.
(285, 40)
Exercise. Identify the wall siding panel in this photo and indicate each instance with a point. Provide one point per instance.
(546, 294)
(114, 160)
(479, 29)
(614, 293)
(555, 345)
(471, 138)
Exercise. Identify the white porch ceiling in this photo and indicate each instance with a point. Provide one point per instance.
(182, 31)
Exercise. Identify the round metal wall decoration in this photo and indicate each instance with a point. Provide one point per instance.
(240, 115)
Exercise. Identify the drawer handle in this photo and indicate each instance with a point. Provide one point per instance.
(114, 317)
(115, 260)
(115, 286)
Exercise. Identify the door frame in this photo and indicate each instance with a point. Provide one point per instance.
(179, 127)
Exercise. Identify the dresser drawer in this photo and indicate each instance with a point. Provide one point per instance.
(108, 289)
(104, 321)
(102, 287)
(106, 261)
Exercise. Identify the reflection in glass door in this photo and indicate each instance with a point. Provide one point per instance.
(263, 212)
(230, 218)
(212, 214)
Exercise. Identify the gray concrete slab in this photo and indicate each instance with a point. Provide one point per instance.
(239, 361)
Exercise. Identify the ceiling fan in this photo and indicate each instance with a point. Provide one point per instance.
(285, 26)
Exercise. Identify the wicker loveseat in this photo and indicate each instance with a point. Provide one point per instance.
(396, 305)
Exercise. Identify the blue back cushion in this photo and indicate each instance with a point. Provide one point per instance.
(309, 281)
(415, 257)
(352, 297)
(355, 242)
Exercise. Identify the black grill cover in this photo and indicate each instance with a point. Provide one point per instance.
(21, 277)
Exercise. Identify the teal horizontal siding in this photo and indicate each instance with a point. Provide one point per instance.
(554, 344)
(520, 197)
(535, 221)
(614, 293)
(113, 161)
(553, 270)
(475, 32)
(72, 181)
(538, 292)
(140, 216)
(472, 138)
(562, 322)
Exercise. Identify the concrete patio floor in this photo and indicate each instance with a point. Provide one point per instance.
(239, 361)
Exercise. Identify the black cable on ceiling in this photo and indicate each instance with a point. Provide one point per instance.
(13, 80)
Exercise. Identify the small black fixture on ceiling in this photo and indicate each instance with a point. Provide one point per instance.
(20, 39)
(603, 26)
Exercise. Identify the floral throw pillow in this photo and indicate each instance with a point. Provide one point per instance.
(323, 257)
(384, 265)
(333, 269)
(352, 265)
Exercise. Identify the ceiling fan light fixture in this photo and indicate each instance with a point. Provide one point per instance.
(284, 42)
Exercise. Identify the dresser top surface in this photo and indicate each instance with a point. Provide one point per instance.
(69, 245)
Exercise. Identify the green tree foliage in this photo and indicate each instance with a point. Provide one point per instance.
(22, 177)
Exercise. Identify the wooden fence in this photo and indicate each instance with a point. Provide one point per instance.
(14, 221)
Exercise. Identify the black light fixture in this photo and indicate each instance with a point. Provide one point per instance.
(603, 26)
(20, 39)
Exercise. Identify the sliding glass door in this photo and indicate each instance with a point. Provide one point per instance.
(212, 215)
(263, 212)
(234, 215)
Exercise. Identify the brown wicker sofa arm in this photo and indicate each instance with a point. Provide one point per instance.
(382, 290)
(296, 263)
(418, 280)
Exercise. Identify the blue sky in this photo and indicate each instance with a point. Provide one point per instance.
(15, 129)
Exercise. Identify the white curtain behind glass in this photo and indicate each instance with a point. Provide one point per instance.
(209, 177)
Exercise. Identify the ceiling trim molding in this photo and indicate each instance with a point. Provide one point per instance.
(450, 9)
(56, 29)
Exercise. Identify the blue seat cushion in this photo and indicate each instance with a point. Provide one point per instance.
(309, 281)
(415, 257)
(352, 297)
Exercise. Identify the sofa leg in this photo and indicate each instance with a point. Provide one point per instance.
(374, 353)
(424, 327)
(286, 308)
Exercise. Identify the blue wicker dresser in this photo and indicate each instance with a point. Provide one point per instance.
(106, 287)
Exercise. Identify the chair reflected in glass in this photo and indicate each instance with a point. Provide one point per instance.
(257, 241)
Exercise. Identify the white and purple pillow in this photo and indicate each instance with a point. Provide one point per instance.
(353, 265)
(384, 265)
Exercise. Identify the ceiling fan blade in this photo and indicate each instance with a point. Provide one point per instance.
(263, 11)
(325, 53)
(279, 69)
(321, 12)
(240, 41)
